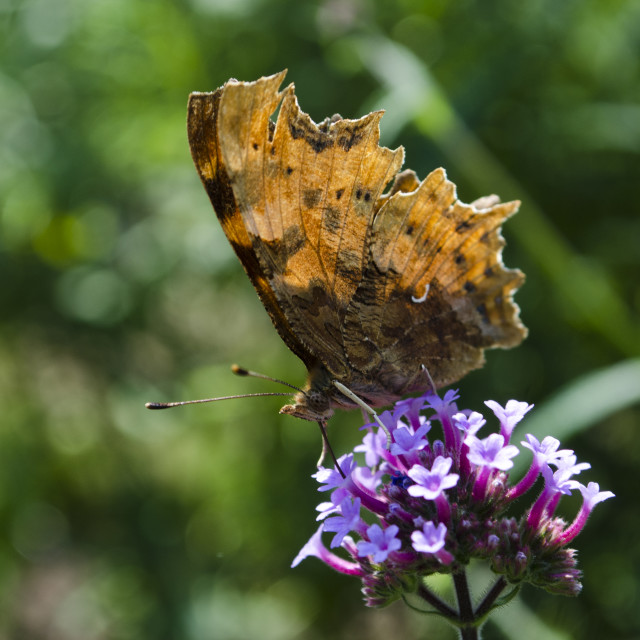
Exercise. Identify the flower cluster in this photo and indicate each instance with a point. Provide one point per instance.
(434, 504)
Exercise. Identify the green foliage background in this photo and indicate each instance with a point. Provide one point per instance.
(118, 287)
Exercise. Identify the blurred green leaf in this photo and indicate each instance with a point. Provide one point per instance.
(516, 620)
(587, 401)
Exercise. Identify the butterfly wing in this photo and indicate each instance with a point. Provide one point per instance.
(203, 129)
(435, 291)
(296, 201)
(364, 287)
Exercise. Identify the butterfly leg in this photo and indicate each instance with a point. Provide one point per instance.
(327, 448)
(323, 453)
(361, 403)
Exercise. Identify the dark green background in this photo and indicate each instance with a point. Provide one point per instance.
(118, 287)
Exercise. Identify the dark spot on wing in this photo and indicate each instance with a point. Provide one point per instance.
(280, 250)
(367, 196)
(350, 136)
(460, 259)
(218, 187)
(221, 195)
(302, 128)
(339, 193)
(332, 219)
(255, 146)
(358, 194)
(294, 239)
(463, 226)
(488, 272)
(289, 171)
(409, 230)
(314, 299)
(469, 287)
(311, 197)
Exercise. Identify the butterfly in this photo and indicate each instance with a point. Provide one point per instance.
(367, 287)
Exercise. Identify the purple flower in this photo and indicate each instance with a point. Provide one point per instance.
(325, 509)
(333, 480)
(509, 416)
(410, 409)
(431, 484)
(445, 408)
(469, 425)
(591, 496)
(348, 520)
(491, 452)
(442, 405)
(559, 481)
(451, 489)
(556, 484)
(431, 540)
(368, 479)
(568, 464)
(373, 446)
(315, 548)
(544, 453)
(547, 450)
(406, 442)
(389, 420)
(381, 542)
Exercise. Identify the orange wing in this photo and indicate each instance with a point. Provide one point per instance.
(436, 265)
(203, 129)
(296, 201)
(363, 286)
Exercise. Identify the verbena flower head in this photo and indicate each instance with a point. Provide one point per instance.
(437, 496)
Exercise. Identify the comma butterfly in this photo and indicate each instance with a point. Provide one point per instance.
(366, 287)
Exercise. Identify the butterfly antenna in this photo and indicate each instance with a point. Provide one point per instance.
(241, 371)
(169, 405)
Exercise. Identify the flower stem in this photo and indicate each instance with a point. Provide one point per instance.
(468, 633)
(487, 602)
(467, 626)
(437, 603)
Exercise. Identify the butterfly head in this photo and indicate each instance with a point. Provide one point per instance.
(314, 401)
(311, 405)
